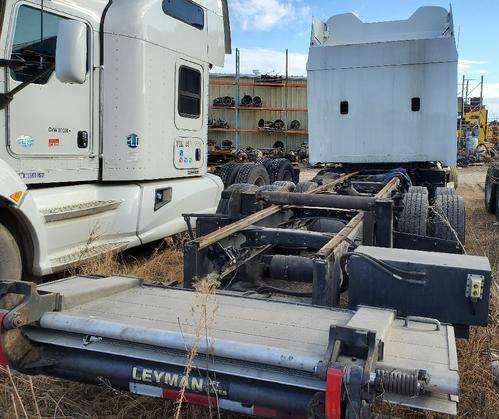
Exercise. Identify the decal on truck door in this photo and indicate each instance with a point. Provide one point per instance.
(25, 141)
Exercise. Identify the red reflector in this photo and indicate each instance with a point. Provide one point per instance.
(334, 380)
(3, 359)
(192, 398)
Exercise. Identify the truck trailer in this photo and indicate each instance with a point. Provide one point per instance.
(315, 299)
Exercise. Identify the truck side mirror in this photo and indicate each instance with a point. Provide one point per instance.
(71, 52)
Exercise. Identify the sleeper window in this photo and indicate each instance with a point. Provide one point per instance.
(415, 104)
(186, 11)
(344, 107)
(189, 92)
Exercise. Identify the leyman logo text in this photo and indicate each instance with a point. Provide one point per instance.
(198, 384)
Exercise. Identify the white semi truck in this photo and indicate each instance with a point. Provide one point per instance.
(103, 125)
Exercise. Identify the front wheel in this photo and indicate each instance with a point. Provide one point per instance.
(11, 262)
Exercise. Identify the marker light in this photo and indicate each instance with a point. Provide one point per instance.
(16, 196)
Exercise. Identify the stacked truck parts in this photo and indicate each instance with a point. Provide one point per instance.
(218, 123)
(246, 100)
(277, 125)
(224, 101)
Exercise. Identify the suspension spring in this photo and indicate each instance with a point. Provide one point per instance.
(398, 382)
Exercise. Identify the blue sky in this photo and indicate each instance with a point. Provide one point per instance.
(263, 29)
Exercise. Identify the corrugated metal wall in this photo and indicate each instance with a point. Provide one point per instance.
(273, 97)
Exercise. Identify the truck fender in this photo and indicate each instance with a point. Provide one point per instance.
(12, 188)
(16, 200)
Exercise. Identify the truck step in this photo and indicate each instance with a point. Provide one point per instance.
(66, 212)
(84, 253)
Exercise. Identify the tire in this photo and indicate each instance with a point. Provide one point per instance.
(265, 161)
(228, 172)
(284, 185)
(281, 169)
(491, 189)
(449, 218)
(254, 174)
(302, 187)
(442, 190)
(418, 189)
(414, 216)
(232, 191)
(11, 261)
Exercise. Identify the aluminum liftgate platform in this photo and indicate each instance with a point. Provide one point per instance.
(256, 356)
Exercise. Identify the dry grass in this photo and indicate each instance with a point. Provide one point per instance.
(479, 396)
(161, 263)
(46, 397)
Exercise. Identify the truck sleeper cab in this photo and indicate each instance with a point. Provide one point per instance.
(103, 146)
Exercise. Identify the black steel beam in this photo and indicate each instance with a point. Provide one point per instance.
(318, 200)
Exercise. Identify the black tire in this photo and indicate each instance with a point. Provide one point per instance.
(11, 260)
(418, 189)
(254, 174)
(442, 190)
(302, 187)
(231, 192)
(281, 169)
(491, 189)
(414, 216)
(284, 185)
(228, 172)
(449, 218)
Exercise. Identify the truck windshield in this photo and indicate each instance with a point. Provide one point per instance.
(28, 44)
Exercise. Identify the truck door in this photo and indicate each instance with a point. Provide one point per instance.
(48, 120)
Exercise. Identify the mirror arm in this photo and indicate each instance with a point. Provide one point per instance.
(6, 98)
(12, 64)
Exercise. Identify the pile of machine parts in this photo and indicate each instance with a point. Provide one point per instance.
(218, 123)
(277, 125)
(256, 101)
(227, 101)
(483, 153)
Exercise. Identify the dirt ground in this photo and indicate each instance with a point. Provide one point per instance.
(23, 397)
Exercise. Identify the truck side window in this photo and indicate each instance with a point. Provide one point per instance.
(415, 104)
(28, 46)
(189, 92)
(186, 11)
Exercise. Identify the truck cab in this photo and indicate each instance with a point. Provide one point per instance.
(103, 121)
